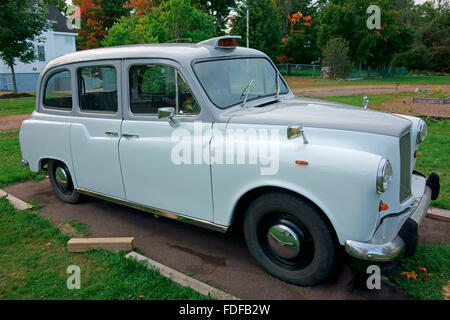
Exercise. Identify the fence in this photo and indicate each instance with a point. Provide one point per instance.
(314, 71)
(299, 70)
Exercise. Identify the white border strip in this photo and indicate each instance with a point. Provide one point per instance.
(17, 203)
(181, 278)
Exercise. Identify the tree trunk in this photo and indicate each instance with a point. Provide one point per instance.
(13, 76)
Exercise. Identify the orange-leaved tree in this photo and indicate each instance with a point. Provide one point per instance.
(300, 45)
(97, 16)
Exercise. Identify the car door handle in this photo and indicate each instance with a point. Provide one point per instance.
(127, 135)
(112, 134)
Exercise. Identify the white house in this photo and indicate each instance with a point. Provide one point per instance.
(59, 41)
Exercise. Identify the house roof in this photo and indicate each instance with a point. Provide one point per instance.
(61, 21)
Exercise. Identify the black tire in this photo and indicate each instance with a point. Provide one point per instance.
(317, 253)
(67, 192)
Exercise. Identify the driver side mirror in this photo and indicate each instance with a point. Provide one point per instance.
(167, 113)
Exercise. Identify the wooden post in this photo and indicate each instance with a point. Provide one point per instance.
(110, 244)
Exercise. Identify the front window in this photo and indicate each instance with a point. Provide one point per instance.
(226, 80)
(155, 86)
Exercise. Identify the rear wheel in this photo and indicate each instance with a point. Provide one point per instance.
(61, 182)
(290, 239)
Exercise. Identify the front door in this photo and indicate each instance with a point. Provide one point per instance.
(95, 131)
(157, 159)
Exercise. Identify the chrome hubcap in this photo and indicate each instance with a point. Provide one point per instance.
(61, 177)
(284, 241)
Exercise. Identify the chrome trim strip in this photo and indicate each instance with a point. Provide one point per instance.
(159, 212)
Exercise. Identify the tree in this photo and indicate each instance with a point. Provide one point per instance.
(218, 9)
(97, 16)
(21, 22)
(182, 20)
(265, 31)
(347, 19)
(335, 56)
(431, 50)
(174, 19)
(60, 4)
(300, 46)
(140, 7)
(289, 7)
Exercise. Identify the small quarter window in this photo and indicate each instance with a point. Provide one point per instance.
(97, 88)
(58, 91)
(158, 86)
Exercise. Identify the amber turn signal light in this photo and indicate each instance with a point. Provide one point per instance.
(417, 154)
(227, 42)
(383, 206)
(304, 163)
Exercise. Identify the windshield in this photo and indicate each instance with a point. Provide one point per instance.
(225, 81)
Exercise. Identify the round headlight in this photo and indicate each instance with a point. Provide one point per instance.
(421, 131)
(384, 175)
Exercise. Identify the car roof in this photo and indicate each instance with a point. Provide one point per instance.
(181, 52)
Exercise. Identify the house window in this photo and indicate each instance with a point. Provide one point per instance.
(41, 53)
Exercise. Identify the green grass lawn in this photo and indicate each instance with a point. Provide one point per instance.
(34, 263)
(15, 106)
(374, 99)
(436, 157)
(11, 171)
(435, 258)
(296, 82)
(430, 265)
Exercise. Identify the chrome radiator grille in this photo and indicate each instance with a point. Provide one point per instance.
(405, 167)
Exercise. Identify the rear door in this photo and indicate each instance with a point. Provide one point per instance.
(155, 170)
(95, 131)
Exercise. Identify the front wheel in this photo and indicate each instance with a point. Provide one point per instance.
(61, 182)
(290, 239)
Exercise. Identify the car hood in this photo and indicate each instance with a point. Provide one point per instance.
(323, 114)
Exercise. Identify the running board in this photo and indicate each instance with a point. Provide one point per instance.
(159, 212)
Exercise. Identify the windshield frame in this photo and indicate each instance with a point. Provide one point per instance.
(194, 62)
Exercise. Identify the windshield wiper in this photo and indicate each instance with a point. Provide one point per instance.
(246, 92)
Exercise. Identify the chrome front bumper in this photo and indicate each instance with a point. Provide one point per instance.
(400, 228)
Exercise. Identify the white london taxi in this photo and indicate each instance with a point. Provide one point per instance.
(211, 134)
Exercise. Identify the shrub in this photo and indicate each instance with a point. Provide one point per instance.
(336, 56)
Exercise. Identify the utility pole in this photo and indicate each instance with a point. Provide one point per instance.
(247, 14)
(247, 26)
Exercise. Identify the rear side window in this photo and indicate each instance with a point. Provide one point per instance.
(58, 91)
(156, 86)
(97, 88)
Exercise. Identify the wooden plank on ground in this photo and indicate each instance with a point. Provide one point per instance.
(110, 244)
(181, 278)
(16, 202)
(439, 214)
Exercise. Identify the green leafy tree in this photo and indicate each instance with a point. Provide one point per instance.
(431, 50)
(347, 19)
(182, 20)
(21, 22)
(265, 30)
(335, 56)
(172, 20)
(60, 4)
(218, 9)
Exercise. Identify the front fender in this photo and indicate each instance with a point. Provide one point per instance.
(340, 181)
